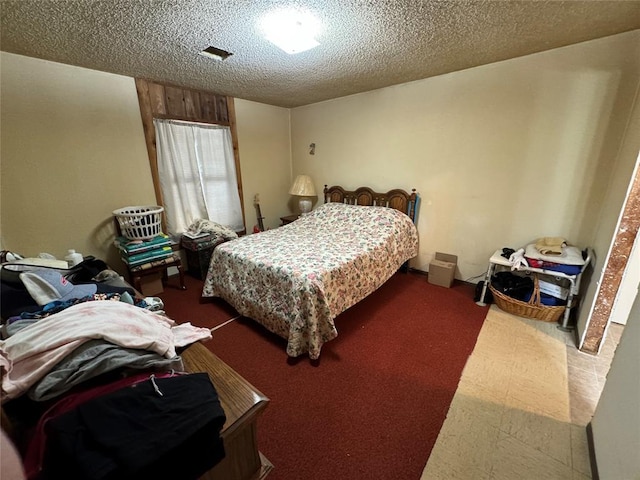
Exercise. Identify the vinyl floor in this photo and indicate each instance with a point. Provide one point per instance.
(522, 405)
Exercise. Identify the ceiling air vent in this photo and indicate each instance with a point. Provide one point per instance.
(215, 53)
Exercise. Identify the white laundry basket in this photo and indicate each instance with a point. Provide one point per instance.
(140, 222)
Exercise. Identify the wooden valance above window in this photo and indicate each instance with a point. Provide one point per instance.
(170, 102)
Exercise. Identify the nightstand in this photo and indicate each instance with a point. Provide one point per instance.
(288, 219)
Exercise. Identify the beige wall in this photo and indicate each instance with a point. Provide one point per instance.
(72, 151)
(622, 168)
(501, 154)
(616, 422)
(265, 159)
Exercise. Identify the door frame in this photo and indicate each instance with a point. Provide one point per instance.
(615, 264)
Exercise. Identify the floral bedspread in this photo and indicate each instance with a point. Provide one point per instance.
(296, 279)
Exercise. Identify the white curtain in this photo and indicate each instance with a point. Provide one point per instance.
(197, 174)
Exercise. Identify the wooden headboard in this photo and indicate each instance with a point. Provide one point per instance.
(397, 199)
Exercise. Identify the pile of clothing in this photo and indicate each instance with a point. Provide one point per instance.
(515, 286)
(92, 276)
(103, 368)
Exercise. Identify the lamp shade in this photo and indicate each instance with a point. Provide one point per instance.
(303, 187)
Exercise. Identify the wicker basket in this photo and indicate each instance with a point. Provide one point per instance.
(532, 309)
(140, 222)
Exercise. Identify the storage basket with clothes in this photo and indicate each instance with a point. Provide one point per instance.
(556, 269)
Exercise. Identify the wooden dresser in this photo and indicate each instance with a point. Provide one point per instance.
(243, 404)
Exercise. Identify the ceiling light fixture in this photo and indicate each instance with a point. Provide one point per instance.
(215, 53)
(291, 30)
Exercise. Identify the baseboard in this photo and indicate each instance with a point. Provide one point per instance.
(592, 453)
(419, 272)
(426, 274)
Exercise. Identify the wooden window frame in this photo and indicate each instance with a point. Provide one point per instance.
(163, 101)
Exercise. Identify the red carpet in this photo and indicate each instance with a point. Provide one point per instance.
(373, 406)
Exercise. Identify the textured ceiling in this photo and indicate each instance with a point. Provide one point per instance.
(365, 44)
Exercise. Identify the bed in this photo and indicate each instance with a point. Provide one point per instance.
(296, 279)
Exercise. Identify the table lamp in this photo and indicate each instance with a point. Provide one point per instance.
(303, 188)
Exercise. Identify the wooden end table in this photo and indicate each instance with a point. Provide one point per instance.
(288, 219)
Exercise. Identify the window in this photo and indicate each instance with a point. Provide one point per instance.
(197, 174)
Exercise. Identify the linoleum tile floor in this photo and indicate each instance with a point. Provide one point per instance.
(522, 405)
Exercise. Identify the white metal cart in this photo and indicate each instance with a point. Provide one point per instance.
(574, 280)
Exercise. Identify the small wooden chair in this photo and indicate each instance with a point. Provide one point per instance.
(136, 273)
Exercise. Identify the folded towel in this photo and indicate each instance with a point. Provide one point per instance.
(550, 245)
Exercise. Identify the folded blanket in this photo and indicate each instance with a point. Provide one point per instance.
(550, 245)
(569, 255)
